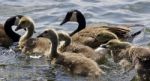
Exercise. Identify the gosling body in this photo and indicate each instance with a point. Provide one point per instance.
(73, 47)
(77, 64)
(138, 56)
(28, 45)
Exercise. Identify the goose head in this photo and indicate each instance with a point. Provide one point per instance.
(24, 22)
(75, 16)
(115, 44)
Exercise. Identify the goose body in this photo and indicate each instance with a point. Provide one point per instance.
(77, 64)
(126, 50)
(86, 35)
(74, 47)
(7, 35)
(30, 45)
(138, 56)
(4, 39)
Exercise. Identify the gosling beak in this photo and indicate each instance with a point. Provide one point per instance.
(18, 28)
(40, 35)
(24, 29)
(104, 46)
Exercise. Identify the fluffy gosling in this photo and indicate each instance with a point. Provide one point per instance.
(77, 64)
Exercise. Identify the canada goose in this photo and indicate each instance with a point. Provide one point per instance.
(30, 45)
(7, 35)
(117, 47)
(83, 33)
(88, 52)
(77, 64)
(137, 55)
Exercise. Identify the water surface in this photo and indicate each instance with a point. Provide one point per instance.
(49, 14)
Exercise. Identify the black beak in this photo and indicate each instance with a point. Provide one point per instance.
(104, 46)
(63, 22)
(18, 28)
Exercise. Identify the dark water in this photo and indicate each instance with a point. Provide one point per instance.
(49, 14)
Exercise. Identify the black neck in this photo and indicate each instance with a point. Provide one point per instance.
(82, 24)
(8, 29)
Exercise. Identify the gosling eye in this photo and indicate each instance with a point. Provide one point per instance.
(46, 32)
(111, 43)
(23, 22)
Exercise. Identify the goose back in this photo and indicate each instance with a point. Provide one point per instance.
(87, 34)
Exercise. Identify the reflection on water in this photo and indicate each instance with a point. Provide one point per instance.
(49, 14)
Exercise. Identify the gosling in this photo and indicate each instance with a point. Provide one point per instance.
(28, 45)
(138, 56)
(77, 64)
(73, 47)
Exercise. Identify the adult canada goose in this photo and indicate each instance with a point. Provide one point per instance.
(72, 47)
(125, 50)
(83, 34)
(7, 35)
(77, 64)
(30, 45)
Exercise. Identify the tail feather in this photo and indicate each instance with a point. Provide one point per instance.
(136, 33)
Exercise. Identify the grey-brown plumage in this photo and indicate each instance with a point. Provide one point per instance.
(4, 39)
(143, 68)
(118, 48)
(86, 35)
(73, 47)
(137, 55)
(38, 46)
(30, 45)
(93, 38)
(75, 63)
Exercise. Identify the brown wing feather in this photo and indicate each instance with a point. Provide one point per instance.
(88, 35)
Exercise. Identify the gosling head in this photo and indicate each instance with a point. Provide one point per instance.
(116, 44)
(74, 16)
(24, 22)
(105, 36)
(49, 33)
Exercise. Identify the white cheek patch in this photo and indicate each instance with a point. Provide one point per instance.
(17, 21)
(74, 17)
